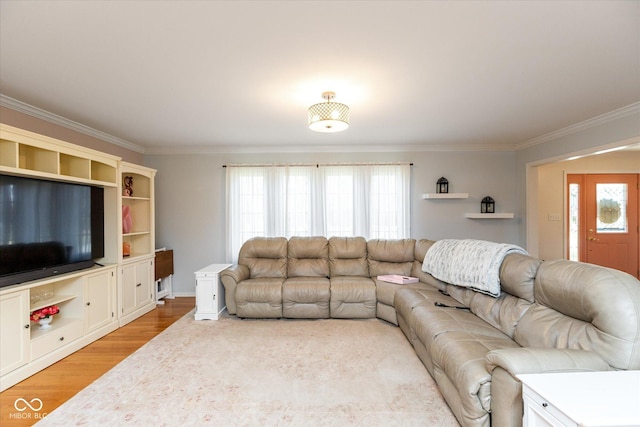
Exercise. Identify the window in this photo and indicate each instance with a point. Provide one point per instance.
(316, 200)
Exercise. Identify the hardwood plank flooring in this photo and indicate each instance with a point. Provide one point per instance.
(62, 380)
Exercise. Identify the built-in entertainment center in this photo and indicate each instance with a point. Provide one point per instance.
(76, 238)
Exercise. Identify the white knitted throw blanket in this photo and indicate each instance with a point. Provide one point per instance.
(470, 263)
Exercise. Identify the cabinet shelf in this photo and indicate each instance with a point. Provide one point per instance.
(135, 198)
(136, 233)
(445, 196)
(505, 215)
(56, 299)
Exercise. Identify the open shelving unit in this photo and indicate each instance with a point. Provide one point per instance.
(23, 152)
(503, 215)
(445, 196)
(140, 204)
(136, 287)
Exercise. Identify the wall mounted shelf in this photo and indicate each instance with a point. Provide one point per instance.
(445, 196)
(489, 215)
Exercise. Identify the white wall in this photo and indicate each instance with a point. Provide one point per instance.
(190, 199)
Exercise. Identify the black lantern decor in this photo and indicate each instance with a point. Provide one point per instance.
(442, 186)
(488, 205)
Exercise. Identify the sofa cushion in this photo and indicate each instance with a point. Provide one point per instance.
(582, 306)
(306, 297)
(308, 256)
(502, 313)
(265, 257)
(517, 274)
(348, 256)
(390, 256)
(421, 248)
(352, 297)
(260, 297)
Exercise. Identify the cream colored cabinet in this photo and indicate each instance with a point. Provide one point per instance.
(136, 289)
(14, 330)
(86, 301)
(92, 302)
(137, 242)
(68, 324)
(99, 299)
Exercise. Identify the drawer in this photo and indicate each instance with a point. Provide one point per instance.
(56, 338)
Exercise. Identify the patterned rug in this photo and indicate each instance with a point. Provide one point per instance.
(234, 372)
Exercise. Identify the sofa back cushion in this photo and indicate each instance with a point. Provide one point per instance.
(583, 306)
(390, 256)
(265, 257)
(503, 313)
(420, 251)
(517, 275)
(308, 257)
(348, 256)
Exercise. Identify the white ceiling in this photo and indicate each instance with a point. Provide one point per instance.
(238, 74)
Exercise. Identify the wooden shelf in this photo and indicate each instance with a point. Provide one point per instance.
(489, 215)
(56, 299)
(445, 196)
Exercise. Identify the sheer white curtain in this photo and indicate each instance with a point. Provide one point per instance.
(316, 200)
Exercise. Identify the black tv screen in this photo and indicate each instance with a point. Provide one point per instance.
(48, 228)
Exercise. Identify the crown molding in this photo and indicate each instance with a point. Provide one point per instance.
(580, 126)
(39, 113)
(288, 149)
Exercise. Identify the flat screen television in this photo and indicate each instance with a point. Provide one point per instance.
(48, 228)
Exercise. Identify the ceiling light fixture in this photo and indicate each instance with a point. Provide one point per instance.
(328, 116)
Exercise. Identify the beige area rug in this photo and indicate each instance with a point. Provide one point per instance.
(234, 372)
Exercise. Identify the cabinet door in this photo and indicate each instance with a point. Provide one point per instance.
(144, 292)
(98, 300)
(14, 329)
(128, 288)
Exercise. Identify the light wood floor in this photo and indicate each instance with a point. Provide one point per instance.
(62, 380)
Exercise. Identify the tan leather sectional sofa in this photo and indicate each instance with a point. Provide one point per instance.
(551, 316)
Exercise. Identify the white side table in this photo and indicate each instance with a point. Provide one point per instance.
(209, 292)
(610, 398)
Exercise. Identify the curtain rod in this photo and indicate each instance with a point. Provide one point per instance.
(266, 165)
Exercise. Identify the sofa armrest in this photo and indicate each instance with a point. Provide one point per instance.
(540, 360)
(505, 364)
(230, 279)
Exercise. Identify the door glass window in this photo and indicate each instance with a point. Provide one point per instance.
(611, 208)
(574, 224)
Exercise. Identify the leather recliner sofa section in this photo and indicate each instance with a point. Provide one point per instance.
(551, 316)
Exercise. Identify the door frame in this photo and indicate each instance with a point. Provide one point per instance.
(582, 237)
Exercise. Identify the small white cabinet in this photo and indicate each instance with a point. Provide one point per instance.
(608, 398)
(209, 292)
